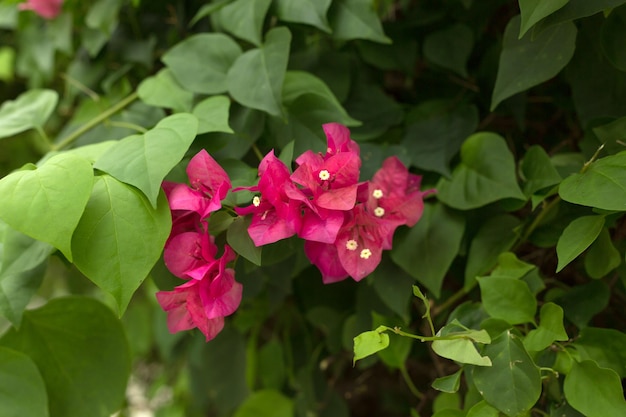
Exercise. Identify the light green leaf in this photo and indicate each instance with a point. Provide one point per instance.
(538, 171)
(256, 78)
(81, 351)
(162, 90)
(529, 61)
(482, 409)
(356, 19)
(145, 160)
(602, 257)
(450, 48)
(368, 343)
(513, 383)
(22, 268)
(508, 299)
(120, 237)
(533, 11)
(213, 113)
(577, 237)
(30, 110)
(22, 389)
(486, 174)
(200, 63)
(244, 19)
(460, 350)
(46, 203)
(7, 63)
(602, 185)
(550, 328)
(238, 238)
(450, 383)
(427, 250)
(594, 391)
(266, 403)
(310, 12)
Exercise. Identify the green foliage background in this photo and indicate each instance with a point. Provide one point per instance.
(515, 111)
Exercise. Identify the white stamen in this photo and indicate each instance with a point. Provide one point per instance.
(366, 253)
(324, 175)
(351, 244)
(377, 193)
(379, 212)
(256, 201)
(328, 150)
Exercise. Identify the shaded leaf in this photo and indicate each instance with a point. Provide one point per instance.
(450, 48)
(30, 110)
(213, 113)
(356, 19)
(310, 12)
(606, 347)
(602, 257)
(244, 19)
(532, 11)
(508, 299)
(583, 302)
(450, 383)
(266, 403)
(538, 171)
(594, 391)
(613, 36)
(550, 328)
(162, 90)
(238, 238)
(22, 389)
(577, 237)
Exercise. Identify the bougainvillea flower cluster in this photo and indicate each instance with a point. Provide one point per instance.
(346, 224)
(48, 9)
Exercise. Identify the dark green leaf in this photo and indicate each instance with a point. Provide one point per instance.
(450, 48)
(576, 9)
(399, 347)
(145, 160)
(613, 36)
(30, 110)
(378, 112)
(207, 9)
(450, 383)
(538, 171)
(200, 63)
(256, 78)
(356, 19)
(162, 90)
(46, 203)
(395, 293)
(272, 369)
(486, 174)
(550, 328)
(602, 257)
(606, 347)
(583, 302)
(611, 133)
(239, 239)
(482, 409)
(427, 250)
(81, 351)
(310, 12)
(577, 237)
(266, 403)
(22, 389)
(513, 383)
(508, 299)
(533, 11)
(244, 19)
(529, 61)
(120, 237)
(594, 391)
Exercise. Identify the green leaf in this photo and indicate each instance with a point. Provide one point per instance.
(594, 391)
(460, 350)
(368, 343)
(450, 383)
(395, 293)
(238, 238)
(482, 409)
(244, 19)
(256, 78)
(375, 108)
(433, 141)
(145, 160)
(450, 48)
(533, 11)
(81, 351)
(513, 383)
(610, 133)
(550, 328)
(508, 299)
(356, 19)
(309, 12)
(22, 389)
(486, 174)
(602, 185)
(162, 90)
(606, 347)
(432, 243)
(538, 171)
(266, 403)
(399, 347)
(22, 268)
(30, 110)
(496, 236)
(583, 302)
(213, 113)
(46, 203)
(577, 237)
(207, 9)
(272, 369)
(510, 266)
(529, 61)
(602, 257)
(576, 9)
(120, 237)
(613, 36)
(200, 63)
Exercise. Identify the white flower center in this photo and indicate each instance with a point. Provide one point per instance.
(379, 212)
(366, 253)
(324, 175)
(328, 150)
(377, 193)
(351, 244)
(256, 201)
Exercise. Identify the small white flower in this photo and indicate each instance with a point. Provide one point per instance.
(379, 212)
(256, 201)
(366, 253)
(324, 175)
(377, 193)
(351, 244)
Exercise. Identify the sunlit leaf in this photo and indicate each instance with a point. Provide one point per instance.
(22, 389)
(368, 343)
(550, 328)
(594, 391)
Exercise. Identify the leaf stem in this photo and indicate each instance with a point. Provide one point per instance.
(409, 383)
(95, 121)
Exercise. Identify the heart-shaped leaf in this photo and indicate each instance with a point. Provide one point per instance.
(29, 110)
(22, 389)
(213, 114)
(46, 203)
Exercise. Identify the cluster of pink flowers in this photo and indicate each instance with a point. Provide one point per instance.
(346, 224)
(48, 9)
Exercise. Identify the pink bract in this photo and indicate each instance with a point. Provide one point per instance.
(338, 139)
(48, 9)
(190, 254)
